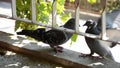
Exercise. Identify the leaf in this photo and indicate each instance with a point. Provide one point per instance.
(74, 37)
(72, 0)
(64, 17)
(17, 25)
(92, 1)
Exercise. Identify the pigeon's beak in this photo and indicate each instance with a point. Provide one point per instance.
(85, 24)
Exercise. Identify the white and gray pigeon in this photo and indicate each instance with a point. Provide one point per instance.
(52, 37)
(102, 48)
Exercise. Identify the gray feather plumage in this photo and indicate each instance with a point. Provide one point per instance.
(52, 37)
(97, 46)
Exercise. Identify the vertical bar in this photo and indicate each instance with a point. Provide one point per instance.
(54, 14)
(104, 21)
(33, 11)
(14, 9)
(77, 16)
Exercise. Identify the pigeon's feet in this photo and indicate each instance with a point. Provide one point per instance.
(58, 49)
(84, 55)
(89, 55)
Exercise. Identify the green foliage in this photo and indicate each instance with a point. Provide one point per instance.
(72, 0)
(43, 11)
(74, 38)
(64, 17)
(23, 11)
(92, 1)
(111, 5)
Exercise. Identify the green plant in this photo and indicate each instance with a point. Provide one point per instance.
(43, 10)
(111, 5)
(91, 1)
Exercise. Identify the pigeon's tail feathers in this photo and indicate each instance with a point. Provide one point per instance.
(29, 33)
(37, 34)
(25, 32)
(109, 56)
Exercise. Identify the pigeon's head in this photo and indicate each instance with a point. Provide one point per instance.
(70, 24)
(90, 24)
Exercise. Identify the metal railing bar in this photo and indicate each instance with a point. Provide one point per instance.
(5, 16)
(13, 5)
(103, 25)
(77, 17)
(49, 26)
(103, 35)
(54, 14)
(29, 21)
(63, 29)
(14, 17)
(33, 7)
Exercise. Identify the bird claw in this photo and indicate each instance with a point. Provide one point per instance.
(58, 49)
(89, 55)
(84, 55)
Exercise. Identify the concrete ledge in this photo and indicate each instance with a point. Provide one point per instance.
(67, 54)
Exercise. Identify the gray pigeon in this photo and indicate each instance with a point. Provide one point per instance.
(52, 37)
(97, 46)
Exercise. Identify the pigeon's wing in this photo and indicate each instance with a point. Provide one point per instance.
(55, 37)
(38, 34)
(25, 32)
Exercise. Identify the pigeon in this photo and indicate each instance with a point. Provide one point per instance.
(52, 37)
(97, 46)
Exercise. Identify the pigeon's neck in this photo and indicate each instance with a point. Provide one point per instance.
(90, 27)
(93, 30)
